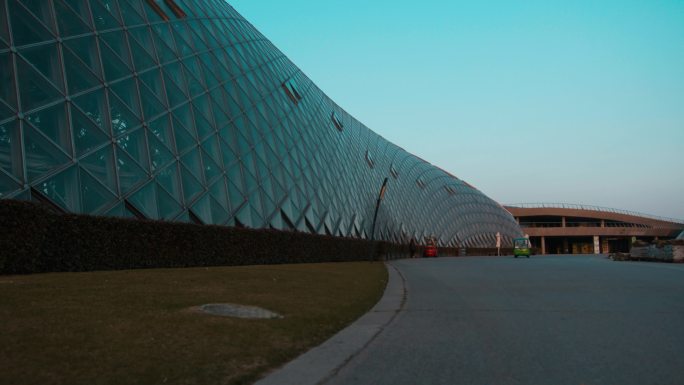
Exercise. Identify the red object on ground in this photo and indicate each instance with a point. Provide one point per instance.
(430, 251)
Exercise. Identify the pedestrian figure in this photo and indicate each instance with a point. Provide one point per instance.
(498, 244)
(412, 247)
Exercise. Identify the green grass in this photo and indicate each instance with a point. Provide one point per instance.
(135, 326)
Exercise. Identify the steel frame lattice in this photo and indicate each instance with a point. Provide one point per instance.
(180, 110)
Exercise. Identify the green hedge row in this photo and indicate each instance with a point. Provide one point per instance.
(34, 239)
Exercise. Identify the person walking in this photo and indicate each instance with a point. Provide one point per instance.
(412, 247)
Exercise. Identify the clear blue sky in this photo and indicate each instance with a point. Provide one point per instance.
(530, 101)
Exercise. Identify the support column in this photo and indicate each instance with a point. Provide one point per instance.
(603, 223)
(563, 223)
(565, 242)
(597, 245)
(543, 245)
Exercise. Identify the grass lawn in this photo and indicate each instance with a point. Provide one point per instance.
(135, 326)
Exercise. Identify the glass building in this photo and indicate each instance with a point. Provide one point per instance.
(180, 110)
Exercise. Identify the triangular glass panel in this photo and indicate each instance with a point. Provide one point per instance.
(159, 154)
(152, 15)
(78, 75)
(163, 40)
(183, 115)
(194, 87)
(288, 211)
(114, 67)
(4, 31)
(192, 161)
(103, 18)
(244, 215)
(257, 219)
(116, 40)
(202, 105)
(196, 36)
(175, 95)
(101, 165)
(191, 186)
(94, 196)
(234, 174)
(143, 38)
(7, 91)
(130, 173)
(26, 29)
(255, 200)
(228, 157)
(235, 195)
(251, 183)
(219, 192)
(42, 11)
(68, 21)
(94, 107)
(127, 91)
(209, 77)
(204, 128)
(152, 79)
(152, 107)
(220, 116)
(184, 140)
(8, 185)
(119, 210)
(85, 49)
(129, 15)
(145, 200)
(10, 149)
(277, 222)
(174, 72)
(269, 206)
(219, 214)
(168, 206)
(87, 135)
(169, 178)
(135, 144)
(123, 119)
(234, 108)
(63, 189)
(42, 156)
(141, 58)
(247, 161)
(183, 42)
(267, 187)
(52, 122)
(35, 90)
(192, 67)
(161, 128)
(183, 217)
(211, 147)
(202, 208)
(46, 59)
(211, 169)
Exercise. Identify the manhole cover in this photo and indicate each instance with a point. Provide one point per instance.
(239, 311)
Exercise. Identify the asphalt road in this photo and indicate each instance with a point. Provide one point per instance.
(544, 320)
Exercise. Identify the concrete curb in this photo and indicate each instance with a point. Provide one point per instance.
(321, 363)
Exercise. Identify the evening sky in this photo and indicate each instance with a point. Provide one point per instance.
(530, 101)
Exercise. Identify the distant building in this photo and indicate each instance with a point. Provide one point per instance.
(580, 229)
(181, 110)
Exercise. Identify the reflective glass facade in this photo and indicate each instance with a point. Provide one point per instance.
(180, 110)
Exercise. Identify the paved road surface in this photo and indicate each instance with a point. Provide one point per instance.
(544, 320)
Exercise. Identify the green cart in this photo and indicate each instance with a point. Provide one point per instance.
(521, 247)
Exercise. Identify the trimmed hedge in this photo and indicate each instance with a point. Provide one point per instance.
(23, 230)
(34, 240)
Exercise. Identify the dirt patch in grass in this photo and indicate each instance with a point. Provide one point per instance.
(134, 327)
